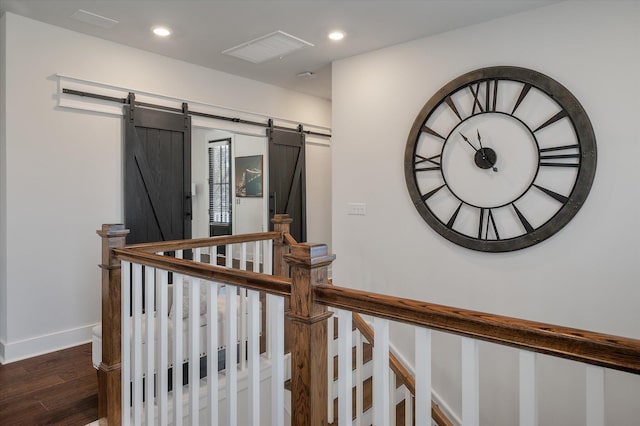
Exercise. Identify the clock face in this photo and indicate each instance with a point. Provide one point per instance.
(500, 159)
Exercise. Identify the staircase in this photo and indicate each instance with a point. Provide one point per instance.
(363, 382)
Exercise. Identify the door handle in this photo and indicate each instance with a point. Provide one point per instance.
(273, 203)
(188, 205)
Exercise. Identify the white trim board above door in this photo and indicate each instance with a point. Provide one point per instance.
(112, 108)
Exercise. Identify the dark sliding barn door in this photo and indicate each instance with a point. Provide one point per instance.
(157, 174)
(287, 182)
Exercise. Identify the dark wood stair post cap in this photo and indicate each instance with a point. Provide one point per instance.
(113, 236)
(310, 255)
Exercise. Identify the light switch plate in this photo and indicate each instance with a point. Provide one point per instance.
(358, 209)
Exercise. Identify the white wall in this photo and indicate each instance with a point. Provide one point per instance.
(586, 276)
(319, 199)
(63, 170)
(250, 214)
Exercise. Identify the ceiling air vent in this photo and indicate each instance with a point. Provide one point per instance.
(93, 19)
(270, 46)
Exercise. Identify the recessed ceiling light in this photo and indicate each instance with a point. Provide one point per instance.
(161, 31)
(336, 35)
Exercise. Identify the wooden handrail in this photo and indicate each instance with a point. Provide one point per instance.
(204, 242)
(252, 280)
(618, 353)
(289, 240)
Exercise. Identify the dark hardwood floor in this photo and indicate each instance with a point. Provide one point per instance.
(60, 388)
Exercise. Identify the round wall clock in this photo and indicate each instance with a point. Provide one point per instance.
(500, 159)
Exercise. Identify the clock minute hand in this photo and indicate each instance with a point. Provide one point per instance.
(467, 141)
(480, 141)
(481, 148)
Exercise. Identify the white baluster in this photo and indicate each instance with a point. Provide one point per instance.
(268, 269)
(423, 376)
(126, 341)
(231, 351)
(243, 256)
(163, 350)
(212, 352)
(528, 394)
(276, 335)
(392, 399)
(254, 345)
(243, 311)
(408, 408)
(345, 345)
(359, 379)
(254, 357)
(194, 351)
(178, 341)
(330, 355)
(137, 344)
(228, 261)
(150, 339)
(267, 264)
(470, 383)
(256, 256)
(381, 372)
(595, 396)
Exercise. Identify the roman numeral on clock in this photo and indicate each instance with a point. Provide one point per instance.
(551, 158)
(428, 160)
(490, 96)
(484, 222)
(490, 102)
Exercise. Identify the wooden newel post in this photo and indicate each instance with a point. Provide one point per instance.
(281, 224)
(109, 373)
(309, 384)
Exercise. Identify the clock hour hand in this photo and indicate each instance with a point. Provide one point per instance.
(467, 141)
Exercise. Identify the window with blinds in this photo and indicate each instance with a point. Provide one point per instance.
(220, 182)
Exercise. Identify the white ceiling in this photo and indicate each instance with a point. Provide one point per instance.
(203, 29)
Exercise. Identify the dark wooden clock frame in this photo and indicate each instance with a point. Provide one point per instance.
(570, 108)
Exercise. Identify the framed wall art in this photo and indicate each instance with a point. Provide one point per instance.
(249, 176)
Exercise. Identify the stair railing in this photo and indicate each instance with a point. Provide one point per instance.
(141, 383)
(596, 350)
(310, 294)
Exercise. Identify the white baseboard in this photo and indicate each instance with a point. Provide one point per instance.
(16, 351)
